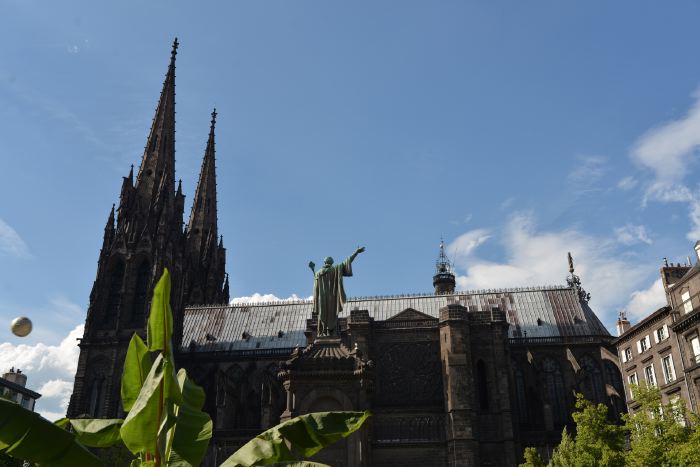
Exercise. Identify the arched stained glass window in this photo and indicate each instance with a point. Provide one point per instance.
(143, 280)
(116, 280)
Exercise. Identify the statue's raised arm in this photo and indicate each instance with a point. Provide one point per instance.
(329, 294)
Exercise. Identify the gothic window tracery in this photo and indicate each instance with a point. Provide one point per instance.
(520, 392)
(554, 390)
(592, 384)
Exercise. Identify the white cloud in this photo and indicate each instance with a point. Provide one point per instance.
(588, 171)
(264, 298)
(535, 257)
(627, 183)
(11, 243)
(667, 150)
(670, 151)
(50, 370)
(646, 301)
(630, 234)
(465, 244)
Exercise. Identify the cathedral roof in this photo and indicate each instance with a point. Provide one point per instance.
(537, 312)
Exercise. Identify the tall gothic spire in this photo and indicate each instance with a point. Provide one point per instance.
(157, 169)
(203, 217)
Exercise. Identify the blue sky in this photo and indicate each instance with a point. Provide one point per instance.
(517, 131)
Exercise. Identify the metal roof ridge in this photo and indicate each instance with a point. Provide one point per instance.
(304, 301)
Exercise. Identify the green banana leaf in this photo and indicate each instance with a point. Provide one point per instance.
(97, 433)
(26, 435)
(141, 426)
(306, 434)
(192, 431)
(160, 320)
(137, 364)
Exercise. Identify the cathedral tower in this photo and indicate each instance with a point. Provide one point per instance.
(443, 280)
(146, 238)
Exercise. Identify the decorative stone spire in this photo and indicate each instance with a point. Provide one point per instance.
(575, 282)
(203, 217)
(157, 169)
(443, 280)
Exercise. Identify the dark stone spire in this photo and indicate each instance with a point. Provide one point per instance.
(157, 170)
(203, 217)
(205, 255)
(443, 280)
(226, 296)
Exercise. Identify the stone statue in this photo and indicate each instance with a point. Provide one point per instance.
(329, 294)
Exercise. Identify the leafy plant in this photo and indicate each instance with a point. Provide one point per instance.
(306, 435)
(165, 423)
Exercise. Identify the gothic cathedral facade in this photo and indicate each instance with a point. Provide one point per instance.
(452, 378)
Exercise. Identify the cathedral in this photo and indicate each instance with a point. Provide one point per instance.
(452, 378)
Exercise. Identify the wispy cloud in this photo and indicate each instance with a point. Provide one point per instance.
(669, 151)
(11, 243)
(627, 183)
(587, 173)
(645, 301)
(630, 234)
(536, 257)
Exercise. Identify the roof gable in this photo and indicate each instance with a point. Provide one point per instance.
(410, 314)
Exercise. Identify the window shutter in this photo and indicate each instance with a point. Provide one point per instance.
(648, 341)
(665, 331)
(656, 336)
(639, 347)
(673, 370)
(623, 355)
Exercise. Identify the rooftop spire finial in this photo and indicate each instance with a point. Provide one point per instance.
(442, 265)
(173, 53)
(571, 264)
(213, 118)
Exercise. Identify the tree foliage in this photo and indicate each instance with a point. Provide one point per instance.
(656, 434)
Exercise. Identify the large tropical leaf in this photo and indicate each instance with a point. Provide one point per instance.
(306, 434)
(137, 364)
(141, 426)
(26, 435)
(97, 433)
(160, 320)
(193, 427)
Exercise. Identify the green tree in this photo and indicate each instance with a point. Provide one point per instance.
(658, 433)
(532, 458)
(598, 442)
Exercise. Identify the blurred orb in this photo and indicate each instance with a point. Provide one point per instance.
(21, 326)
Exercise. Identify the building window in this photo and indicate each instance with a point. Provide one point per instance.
(687, 303)
(669, 371)
(633, 381)
(554, 391)
(113, 295)
(643, 345)
(695, 347)
(520, 394)
(592, 384)
(649, 375)
(661, 334)
(627, 355)
(677, 407)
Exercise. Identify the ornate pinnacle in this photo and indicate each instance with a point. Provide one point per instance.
(174, 51)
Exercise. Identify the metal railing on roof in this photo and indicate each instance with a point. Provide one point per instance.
(305, 301)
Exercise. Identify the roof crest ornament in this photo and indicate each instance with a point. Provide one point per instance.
(574, 282)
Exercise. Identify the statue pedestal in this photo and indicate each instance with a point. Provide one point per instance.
(327, 376)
